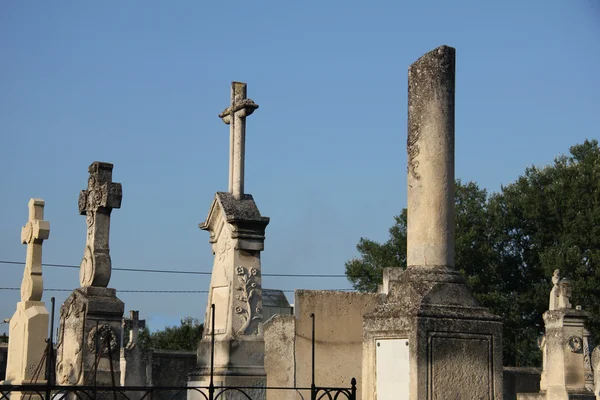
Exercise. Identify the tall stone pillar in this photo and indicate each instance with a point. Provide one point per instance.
(90, 318)
(237, 234)
(445, 345)
(26, 363)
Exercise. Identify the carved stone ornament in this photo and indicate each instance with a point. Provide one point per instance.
(412, 148)
(248, 296)
(575, 344)
(103, 332)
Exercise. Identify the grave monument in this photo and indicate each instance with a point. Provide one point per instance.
(90, 318)
(566, 359)
(430, 339)
(133, 370)
(237, 234)
(29, 324)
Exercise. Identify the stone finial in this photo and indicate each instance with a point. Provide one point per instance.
(96, 203)
(430, 147)
(33, 235)
(235, 116)
(560, 295)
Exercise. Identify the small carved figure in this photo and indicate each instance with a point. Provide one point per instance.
(560, 294)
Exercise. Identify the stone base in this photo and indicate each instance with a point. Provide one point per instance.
(28, 333)
(238, 363)
(86, 311)
(454, 345)
(543, 396)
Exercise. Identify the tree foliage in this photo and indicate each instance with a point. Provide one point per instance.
(508, 244)
(183, 337)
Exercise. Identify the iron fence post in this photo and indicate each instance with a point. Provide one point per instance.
(211, 386)
(49, 356)
(353, 389)
(313, 391)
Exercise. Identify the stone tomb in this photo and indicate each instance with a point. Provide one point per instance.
(29, 324)
(237, 234)
(566, 365)
(90, 318)
(430, 339)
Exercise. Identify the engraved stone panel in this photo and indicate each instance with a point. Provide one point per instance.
(449, 376)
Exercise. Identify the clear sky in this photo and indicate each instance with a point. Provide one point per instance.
(140, 84)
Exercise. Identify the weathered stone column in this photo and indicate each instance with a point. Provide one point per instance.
(445, 345)
(430, 145)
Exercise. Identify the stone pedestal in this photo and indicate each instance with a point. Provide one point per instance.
(90, 323)
(237, 232)
(26, 364)
(454, 345)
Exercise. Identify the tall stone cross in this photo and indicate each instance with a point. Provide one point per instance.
(33, 235)
(134, 324)
(96, 203)
(235, 116)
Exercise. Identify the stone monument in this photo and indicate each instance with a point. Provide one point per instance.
(90, 318)
(133, 370)
(29, 324)
(237, 234)
(431, 339)
(566, 359)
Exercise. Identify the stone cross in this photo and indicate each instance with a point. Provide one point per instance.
(96, 203)
(33, 234)
(430, 147)
(235, 116)
(134, 324)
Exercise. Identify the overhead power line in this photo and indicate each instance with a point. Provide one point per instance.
(172, 271)
(158, 291)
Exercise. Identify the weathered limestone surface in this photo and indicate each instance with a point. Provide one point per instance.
(454, 345)
(237, 234)
(90, 318)
(566, 356)
(96, 203)
(338, 341)
(29, 324)
(430, 146)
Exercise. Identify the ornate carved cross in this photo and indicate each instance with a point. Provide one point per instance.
(134, 323)
(97, 202)
(33, 235)
(240, 108)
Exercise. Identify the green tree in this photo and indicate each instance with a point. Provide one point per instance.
(183, 337)
(508, 244)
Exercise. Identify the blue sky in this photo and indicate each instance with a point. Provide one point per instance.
(140, 84)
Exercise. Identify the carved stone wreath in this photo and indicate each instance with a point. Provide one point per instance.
(575, 344)
(104, 331)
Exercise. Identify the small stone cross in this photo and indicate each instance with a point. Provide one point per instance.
(240, 108)
(134, 323)
(33, 235)
(97, 202)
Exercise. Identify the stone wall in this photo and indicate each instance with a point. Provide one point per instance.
(3, 360)
(520, 380)
(171, 368)
(338, 349)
